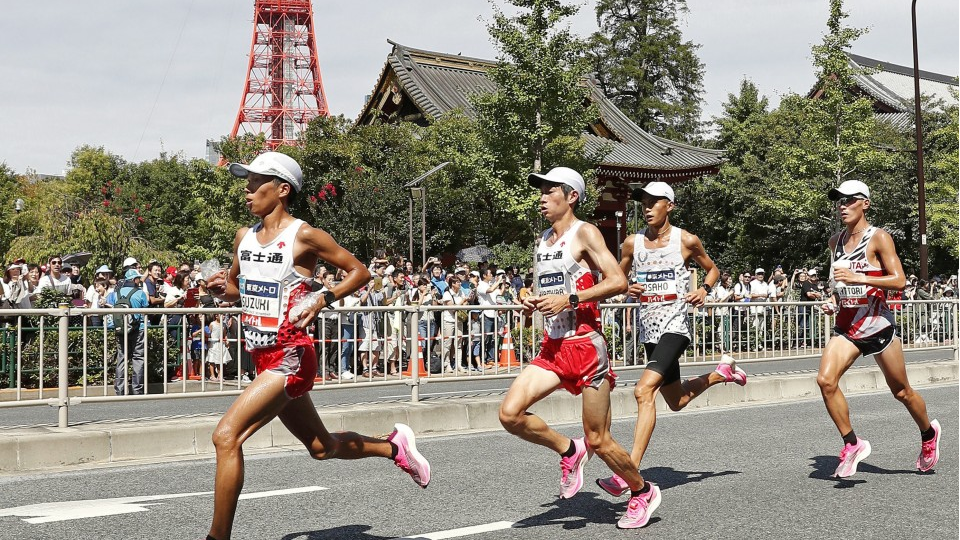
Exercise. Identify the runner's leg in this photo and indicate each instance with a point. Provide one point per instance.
(895, 372)
(301, 418)
(533, 384)
(837, 358)
(596, 427)
(253, 409)
(646, 394)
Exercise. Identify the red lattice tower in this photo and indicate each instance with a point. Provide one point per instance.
(283, 91)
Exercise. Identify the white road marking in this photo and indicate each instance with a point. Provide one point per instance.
(88, 508)
(278, 492)
(463, 531)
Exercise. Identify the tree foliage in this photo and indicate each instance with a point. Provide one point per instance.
(643, 64)
(535, 119)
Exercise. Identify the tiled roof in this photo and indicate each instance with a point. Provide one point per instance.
(892, 84)
(438, 83)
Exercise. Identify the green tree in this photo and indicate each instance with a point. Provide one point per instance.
(643, 64)
(942, 192)
(536, 117)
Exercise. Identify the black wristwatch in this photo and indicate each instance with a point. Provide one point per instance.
(574, 301)
(707, 288)
(328, 299)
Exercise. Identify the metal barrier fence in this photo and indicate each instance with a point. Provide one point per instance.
(108, 355)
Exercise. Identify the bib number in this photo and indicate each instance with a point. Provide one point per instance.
(263, 303)
(658, 286)
(553, 283)
(852, 295)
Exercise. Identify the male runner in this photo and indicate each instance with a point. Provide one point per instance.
(864, 263)
(656, 260)
(270, 274)
(573, 354)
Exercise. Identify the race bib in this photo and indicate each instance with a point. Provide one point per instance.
(852, 295)
(553, 283)
(263, 305)
(659, 286)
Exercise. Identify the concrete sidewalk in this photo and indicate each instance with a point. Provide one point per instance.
(36, 449)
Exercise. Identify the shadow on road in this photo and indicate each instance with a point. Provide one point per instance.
(345, 532)
(825, 466)
(576, 513)
(667, 477)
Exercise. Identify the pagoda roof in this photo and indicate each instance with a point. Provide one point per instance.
(436, 83)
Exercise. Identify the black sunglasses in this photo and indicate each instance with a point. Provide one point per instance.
(849, 200)
(56, 262)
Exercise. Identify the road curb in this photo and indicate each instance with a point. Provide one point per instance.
(37, 449)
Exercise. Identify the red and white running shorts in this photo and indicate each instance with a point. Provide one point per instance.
(580, 361)
(298, 363)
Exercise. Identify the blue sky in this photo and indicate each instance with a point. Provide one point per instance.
(139, 78)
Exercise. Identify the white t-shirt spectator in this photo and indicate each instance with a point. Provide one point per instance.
(760, 291)
(450, 300)
(172, 295)
(92, 297)
(485, 298)
(48, 281)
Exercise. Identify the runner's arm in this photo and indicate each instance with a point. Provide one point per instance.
(326, 248)
(226, 285)
(626, 266)
(595, 250)
(694, 247)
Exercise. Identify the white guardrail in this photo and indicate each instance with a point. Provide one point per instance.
(64, 356)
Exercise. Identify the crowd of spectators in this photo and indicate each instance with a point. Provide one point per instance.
(368, 343)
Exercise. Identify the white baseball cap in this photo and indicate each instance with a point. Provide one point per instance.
(759, 271)
(560, 175)
(129, 261)
(276, 164)
(656, 189)
(812, 272)
(848, 188)
(475, 273)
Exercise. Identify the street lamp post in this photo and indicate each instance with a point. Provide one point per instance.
(619, 215)
(18, 206)
(420, 193)
(921, 191)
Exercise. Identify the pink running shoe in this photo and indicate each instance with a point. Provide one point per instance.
(640, 508)
(731, 373)
(930, 450)
(850, 456)
(408, 458)
(613, 485)
(571, 469)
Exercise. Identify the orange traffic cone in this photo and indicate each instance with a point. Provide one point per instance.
(422, 369)
(508, 356)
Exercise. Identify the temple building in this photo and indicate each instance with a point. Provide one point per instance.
(416, 85)
(891, 88)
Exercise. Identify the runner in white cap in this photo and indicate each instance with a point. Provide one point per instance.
(864, 263)
(656, 260)
(272, 272)
(573, 356)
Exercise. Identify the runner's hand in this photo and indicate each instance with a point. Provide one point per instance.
(635, 290)
(308, 314)
(829, 308)
(530, 304)
(217, 284)
(552, 304)
(847, 276)
(697, 297)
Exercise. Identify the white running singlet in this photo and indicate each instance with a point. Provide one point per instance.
(559, 273)
(863, 309)
(269, 285)
(666, 281)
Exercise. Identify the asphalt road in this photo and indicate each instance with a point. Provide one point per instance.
(759, 471)
(335, 395)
